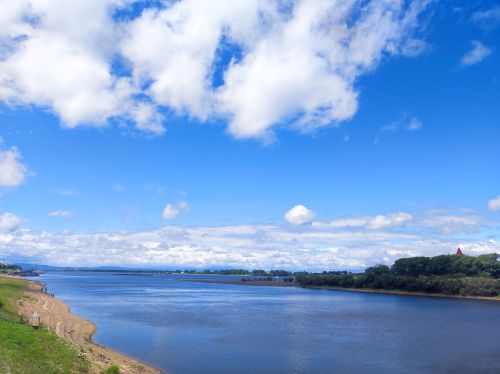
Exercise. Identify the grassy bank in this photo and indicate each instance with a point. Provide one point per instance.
(27, 350)
(11, 290)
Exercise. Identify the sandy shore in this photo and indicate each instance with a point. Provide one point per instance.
(57, 317)
(364, 290)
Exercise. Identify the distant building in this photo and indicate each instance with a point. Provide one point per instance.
(459, 252)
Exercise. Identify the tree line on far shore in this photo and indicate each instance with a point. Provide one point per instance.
(257, 272)
(445, 274)
(5, 268)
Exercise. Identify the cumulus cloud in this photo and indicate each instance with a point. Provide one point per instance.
(61, 59)
(9, 222)
(494, 204)
(171, 211)
(307, 66)
(476, 54)
(294, 65)
(12, 171)
(60, 213)
(299, 215)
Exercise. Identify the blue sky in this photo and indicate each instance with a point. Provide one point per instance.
(219, 134)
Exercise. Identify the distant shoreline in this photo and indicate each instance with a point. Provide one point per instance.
(363, 290)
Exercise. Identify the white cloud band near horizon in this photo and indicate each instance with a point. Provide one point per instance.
(297, 63)
(348, 242)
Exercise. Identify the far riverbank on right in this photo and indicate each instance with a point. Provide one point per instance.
(364, 290)
(452, 276)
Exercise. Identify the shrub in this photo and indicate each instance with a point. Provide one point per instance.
(113, 369)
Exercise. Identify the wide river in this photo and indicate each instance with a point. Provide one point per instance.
(204, 328)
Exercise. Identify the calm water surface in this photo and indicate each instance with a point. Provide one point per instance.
(192, 328)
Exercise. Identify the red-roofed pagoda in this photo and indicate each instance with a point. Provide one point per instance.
(459, 252)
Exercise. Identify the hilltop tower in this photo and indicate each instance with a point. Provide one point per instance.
(459, 252)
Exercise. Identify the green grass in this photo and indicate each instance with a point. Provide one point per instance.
(24, 349)
(113, 369)
(11, 290)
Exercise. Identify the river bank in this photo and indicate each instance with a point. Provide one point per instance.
(57, 317)
(363, 290)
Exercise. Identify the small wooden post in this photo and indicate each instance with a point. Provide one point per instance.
(35, 320)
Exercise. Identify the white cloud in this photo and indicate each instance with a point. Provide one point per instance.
(414, 47)
(9, 222)
(147, 118)
(306, 67)
(355, 242)
(449, 222)
(494, 204)
(391, 127)
(488, 17)
(295, 64)
(390, 220)
(381, 221)
(12, 171)
(476, 54)
(433, 221)
(250, 246)
(406, 122)
(60, 213)
(62, 60)
(414, 124)
(299, 215)
(171, 211)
